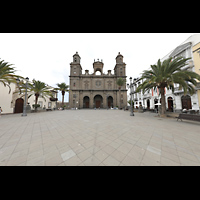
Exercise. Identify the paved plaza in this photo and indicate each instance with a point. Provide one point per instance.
(97, 138)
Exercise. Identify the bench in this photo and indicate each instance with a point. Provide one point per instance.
(48, 109)
(188, 117)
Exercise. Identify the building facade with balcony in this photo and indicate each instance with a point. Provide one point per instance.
(176, 101)
(196, 60)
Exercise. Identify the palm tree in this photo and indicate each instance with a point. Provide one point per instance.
(63, 88)
(7, 75)
(120, 83)
(38, 88)
(165, 75)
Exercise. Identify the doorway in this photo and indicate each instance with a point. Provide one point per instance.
(170, 104)
(110, 102)
(98, 101)
(148, 104)
(155, 102)
(186, 102)
(19, 103)
(86, 102)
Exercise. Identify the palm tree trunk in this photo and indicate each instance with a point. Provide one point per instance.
(119, 97)
(36, 100)
(63, 94)
(163, 104)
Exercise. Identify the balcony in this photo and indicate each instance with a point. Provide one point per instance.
(147, 95)
(189, 65)
(178, 90)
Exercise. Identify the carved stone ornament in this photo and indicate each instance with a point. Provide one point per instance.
(98, 83)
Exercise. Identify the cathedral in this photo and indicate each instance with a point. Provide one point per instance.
(96, 89)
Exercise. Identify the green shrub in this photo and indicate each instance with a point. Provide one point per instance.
(37, 105)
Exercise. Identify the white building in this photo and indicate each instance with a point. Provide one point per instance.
(176, 101)
(13, 102)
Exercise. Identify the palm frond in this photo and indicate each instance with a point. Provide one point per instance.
(165, 74)
(62, 87)
(7, 74)
(120, 82)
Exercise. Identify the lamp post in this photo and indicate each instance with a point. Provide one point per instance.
(107, 100)
(174, 105)
(25, 99)
(131, 86)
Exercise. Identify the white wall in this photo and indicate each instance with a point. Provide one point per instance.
(6, 98)
(7, 101)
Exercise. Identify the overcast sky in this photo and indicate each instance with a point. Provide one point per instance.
(47, 56)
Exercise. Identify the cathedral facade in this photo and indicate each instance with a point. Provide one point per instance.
(98, 89)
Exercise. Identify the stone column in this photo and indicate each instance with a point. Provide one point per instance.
(81, 99)
(104, 99)
(91, 99)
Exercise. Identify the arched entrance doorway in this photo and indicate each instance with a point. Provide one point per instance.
(155, 102)
(110, 102)
(148, 104)
(19, 103)
(86, 102)
(98, 101)
(170, 104)
(186, 102)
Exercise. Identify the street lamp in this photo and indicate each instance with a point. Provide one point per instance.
(131, 86)
(26, 85)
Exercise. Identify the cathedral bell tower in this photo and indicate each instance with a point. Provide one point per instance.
(74, 85)
(76, 69)
(120, 67)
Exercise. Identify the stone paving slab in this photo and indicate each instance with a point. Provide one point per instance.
(97, 138)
